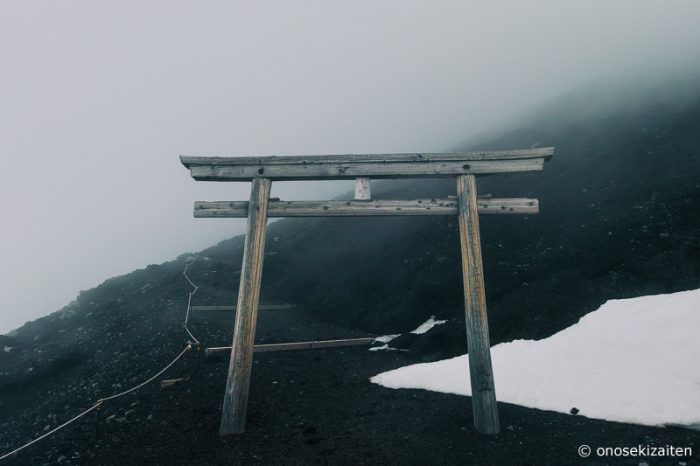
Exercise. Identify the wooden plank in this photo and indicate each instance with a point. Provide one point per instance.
(542, 152)
(261, 307)
(239, 209)
(170, 382)
(340, 171)
(299, 345)
(312, 344)
(480, 368)
(238, 382)
(363, 190)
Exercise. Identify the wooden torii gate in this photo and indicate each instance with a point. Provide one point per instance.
(466, 206)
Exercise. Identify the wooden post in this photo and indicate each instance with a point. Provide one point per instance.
(363, 167)
(480, 369)
(238, 382)
(363, 190)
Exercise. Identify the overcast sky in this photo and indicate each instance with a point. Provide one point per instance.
(97, 99)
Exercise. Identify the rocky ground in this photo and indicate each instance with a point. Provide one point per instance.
(306, 407)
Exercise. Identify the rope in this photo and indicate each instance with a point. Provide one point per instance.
(99, 402)
(92, 408)
(189, 300)
(95, 406)
(187, 348)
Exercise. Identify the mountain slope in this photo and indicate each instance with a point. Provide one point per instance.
(617, 220)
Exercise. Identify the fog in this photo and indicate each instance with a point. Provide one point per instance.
(98, 99)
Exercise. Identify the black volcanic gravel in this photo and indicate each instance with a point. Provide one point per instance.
(318, 407)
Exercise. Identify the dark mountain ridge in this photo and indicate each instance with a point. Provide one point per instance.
(616, 221)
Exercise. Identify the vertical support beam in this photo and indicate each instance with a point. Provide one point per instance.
(480, 369)
(236, 397)
(363, 190)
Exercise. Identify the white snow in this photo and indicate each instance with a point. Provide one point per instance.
(7, 349)
(632, 360)
(386, 338)
(427, 325)
(384, 347)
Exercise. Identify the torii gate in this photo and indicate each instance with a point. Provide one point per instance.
(263, 170)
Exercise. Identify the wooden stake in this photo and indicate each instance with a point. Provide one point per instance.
(298, 345)
(233, 415)
(480, 369)
(363, 190)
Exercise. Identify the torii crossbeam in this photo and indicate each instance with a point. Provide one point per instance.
(464, 166)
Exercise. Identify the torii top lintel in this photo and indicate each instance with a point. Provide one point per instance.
(349, 166)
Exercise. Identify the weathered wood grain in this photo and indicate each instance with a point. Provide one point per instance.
(238, 382)
(239, 209)
(362, 167)
(299, 345)
(363, 190)
(170, 382)
(345, 170)
(543, 152)
(480, 368)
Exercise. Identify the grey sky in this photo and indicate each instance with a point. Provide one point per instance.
(97, 99)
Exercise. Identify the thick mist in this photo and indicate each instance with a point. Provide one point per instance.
(98, 100)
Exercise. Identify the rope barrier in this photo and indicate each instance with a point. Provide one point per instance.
(99, 402)
(97, 405)
(189, 299)
(187, 348)
(92, 408)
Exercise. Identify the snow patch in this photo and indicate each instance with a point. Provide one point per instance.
(632, 360)
(7, 349)
(427, 325)
(386, 338)
(384, 347)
